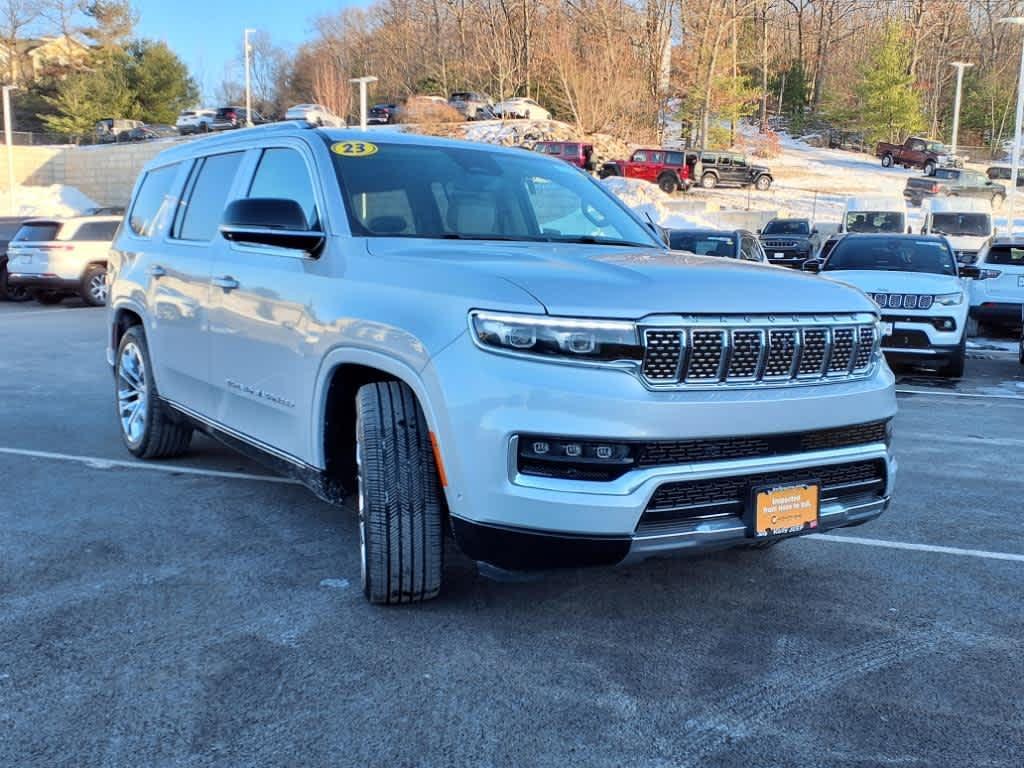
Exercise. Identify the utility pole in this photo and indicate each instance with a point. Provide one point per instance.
(248, 79)
(363, 82)
(764, 67)
(8, 139)
(1015, 160)
(960, 66)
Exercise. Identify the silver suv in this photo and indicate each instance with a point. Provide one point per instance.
(492, 346)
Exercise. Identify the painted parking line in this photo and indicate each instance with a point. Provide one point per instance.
(981, 553)
(10, 315)
(96, 462)
(969, 395)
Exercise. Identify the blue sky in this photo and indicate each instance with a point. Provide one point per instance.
(207, 34)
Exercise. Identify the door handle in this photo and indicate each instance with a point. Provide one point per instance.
(156, 271)
(227, 282)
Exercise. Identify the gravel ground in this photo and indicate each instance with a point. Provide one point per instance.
(165, 618)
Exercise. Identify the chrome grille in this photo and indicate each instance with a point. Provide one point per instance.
(661, 361)
(698, 352)
(780, 244)
(903, 300)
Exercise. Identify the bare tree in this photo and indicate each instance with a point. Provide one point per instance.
(15, 17)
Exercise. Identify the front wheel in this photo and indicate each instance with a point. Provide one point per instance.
(147, 427)
(709, 181)
(400, 509)
(929, 168)
(763, 183)
(667, 184)
(887, 161)
(954, 369)
(94, 286)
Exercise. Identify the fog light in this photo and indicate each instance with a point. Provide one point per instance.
(558, 457)
(947, 325)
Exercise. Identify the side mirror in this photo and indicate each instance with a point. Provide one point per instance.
(812, 265)
(815, 231)
(276, 222)
(970, 271)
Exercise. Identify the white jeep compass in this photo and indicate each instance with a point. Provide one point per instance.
(483, 342)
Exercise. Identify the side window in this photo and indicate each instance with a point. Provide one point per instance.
(739, 161)
(283, 173)
(656, 157)
(748, 249)
(917, 146)
(99, 231)
(724, 160)
(559, 210)
(640, 157)
(206, 194)
(152, 200)
(554, 149)
(674, 158)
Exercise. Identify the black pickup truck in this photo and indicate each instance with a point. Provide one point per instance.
(954, 182)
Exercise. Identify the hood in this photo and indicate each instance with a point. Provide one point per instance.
(966, 242)
(598, 281)
(881, 281)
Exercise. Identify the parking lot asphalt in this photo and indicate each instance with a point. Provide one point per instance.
(207, 613)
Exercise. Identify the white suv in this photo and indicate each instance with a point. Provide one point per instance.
(56, 258)
(916, 282)
(492, 346)
(997, 296)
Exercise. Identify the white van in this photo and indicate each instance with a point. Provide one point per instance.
(965, 222)
(869, 215)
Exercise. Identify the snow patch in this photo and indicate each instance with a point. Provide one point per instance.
(648, 200)
(56, 200)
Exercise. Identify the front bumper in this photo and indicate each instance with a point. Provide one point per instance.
(488, 400)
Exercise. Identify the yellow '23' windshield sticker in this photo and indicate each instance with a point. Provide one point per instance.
(354, 148)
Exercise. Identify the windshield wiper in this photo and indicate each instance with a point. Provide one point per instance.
(503, 238)
(591, 240)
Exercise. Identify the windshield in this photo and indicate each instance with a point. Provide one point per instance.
(894, 254)
(875, 221)
(453, 192)
(973, 224)
(787, 228)
(702, 243)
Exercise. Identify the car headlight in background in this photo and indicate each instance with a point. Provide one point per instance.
(564, 338)
(950, 299)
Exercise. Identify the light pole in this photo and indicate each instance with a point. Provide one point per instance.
(248, 80)
(960, 67)
(363, 82)
(8, 139)
(1015, 160)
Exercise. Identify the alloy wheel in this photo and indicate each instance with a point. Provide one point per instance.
(132, 393)
(98, 287)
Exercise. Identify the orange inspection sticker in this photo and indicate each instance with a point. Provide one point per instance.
(783, 511)
(354, 148)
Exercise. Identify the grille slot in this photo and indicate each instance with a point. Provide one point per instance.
(745, 351)
(706, 349)
(812, 351)
(664, 350)
(842, 350)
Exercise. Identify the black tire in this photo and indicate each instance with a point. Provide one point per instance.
(973, 328)
(204, 127)
(887, 161)
(160, 436)
(48, 298)
(668, 184)
(997, 201)
(929, 168)
(954, 369)
(400, 508)
(10, 292)
(94, 286)
(709, 181)
(763, 183)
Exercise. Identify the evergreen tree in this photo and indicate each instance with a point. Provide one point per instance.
(890, 104)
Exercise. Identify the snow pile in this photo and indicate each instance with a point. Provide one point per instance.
(526, 133)
(56, 200)
(648, 200)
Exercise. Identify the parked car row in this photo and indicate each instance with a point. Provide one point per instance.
(674, 170)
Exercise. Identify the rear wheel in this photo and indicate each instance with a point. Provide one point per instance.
(709, 181)
(10, 292)
(954, 369)
(147, 427)
(48, 298)
(668, 184)
(887, 161)
(94, 286)
(929, 168)
(400, 512)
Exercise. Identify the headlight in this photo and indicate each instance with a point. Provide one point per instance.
(563, 338)
(950, 299)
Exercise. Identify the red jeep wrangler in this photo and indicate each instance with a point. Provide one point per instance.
(669, 169)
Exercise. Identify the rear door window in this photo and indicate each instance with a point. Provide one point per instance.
(152, 200)
(96, 231)
(39, 232)
(1006, 256)
(206, 195)
(674, 158)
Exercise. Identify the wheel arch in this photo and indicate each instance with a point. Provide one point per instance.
(333, 426)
